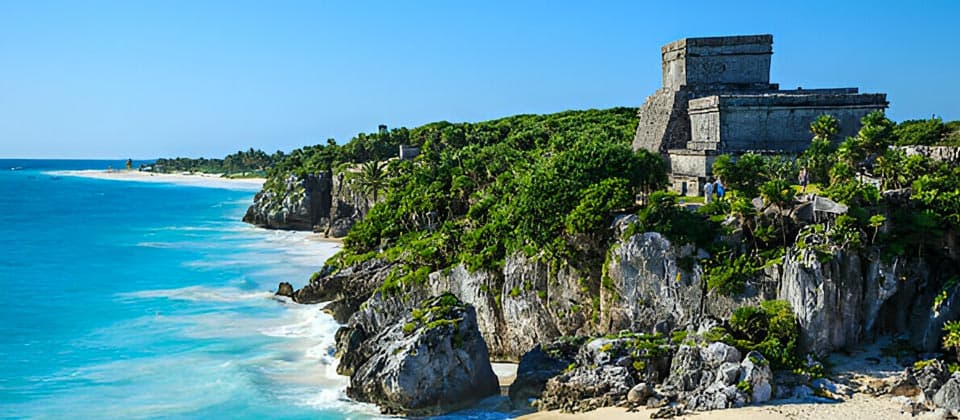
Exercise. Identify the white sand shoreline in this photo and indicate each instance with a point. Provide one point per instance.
(189, 179)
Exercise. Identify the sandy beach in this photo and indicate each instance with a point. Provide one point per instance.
(860, 407)
(194, 179)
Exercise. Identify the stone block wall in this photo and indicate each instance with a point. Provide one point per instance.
(776, 122)
(736, 60)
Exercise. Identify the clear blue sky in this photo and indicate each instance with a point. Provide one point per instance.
(147, 79)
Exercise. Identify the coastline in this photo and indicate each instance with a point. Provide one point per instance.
(194, 180)
(858, 407)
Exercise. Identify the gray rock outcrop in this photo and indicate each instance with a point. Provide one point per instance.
(432, 362)
(300, 203)
(714, 377)
(604, 372)
(344, 290)
(948, 396)
(827, 299)
(315, 202)
(647, 287)
(538, 366)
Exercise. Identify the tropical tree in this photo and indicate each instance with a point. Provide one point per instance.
(371, 179)
(825, 128)
(742, 174)
(817, 158)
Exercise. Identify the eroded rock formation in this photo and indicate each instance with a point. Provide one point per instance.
(316, 202)
(431, 361)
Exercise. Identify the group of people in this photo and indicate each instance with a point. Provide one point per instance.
(716, 187)
(711, 188)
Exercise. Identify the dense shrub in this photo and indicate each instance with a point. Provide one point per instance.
(771, 329)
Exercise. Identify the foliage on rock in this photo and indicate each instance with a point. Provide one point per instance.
(770, 329)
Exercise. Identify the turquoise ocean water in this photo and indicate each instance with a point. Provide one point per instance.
(126, 299)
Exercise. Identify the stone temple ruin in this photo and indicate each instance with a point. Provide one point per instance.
(717, 98)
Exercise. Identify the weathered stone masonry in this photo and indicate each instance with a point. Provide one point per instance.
(717, 98)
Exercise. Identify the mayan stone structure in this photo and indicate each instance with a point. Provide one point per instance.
(717, 98)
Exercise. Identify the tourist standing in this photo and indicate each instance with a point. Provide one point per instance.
(708, 191)
(804, 179)
(718, 188)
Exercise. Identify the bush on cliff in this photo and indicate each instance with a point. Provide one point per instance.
(663, 215)
(770, 329)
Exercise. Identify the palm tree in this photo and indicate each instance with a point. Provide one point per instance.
(371, 179)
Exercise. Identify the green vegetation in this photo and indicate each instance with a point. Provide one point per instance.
(729, 275)
(641, 348)
(540, 184)
(951, 336)
(439, 311)
(932, 132)
(250, 162)
(662, 214)
(371, 179)
(847, 173)
(770, 329)
(745, 387)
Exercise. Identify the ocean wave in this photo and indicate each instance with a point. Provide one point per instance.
(199, 294)
(206, 245)
(332, 399)
(160, 245)
(306, 322)
(224, 228)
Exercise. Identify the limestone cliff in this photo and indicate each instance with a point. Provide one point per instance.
(651, 285)
(322, 202)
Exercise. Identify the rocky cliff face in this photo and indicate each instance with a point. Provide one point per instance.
(316, 202)
(517, 307)
(853, 297)
(650, 285)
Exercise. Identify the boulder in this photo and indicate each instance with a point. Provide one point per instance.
(755, 371)
(717, 354)
(948, 396)
(716, 396)
(639, 394)
(587, 388)
(285, 289)
(931, 376)
(685, 370)
(537, 366)
(431, 362)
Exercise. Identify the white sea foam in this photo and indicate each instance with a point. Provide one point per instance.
(199, 293)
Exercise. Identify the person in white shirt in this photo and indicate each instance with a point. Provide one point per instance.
(708, 192)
